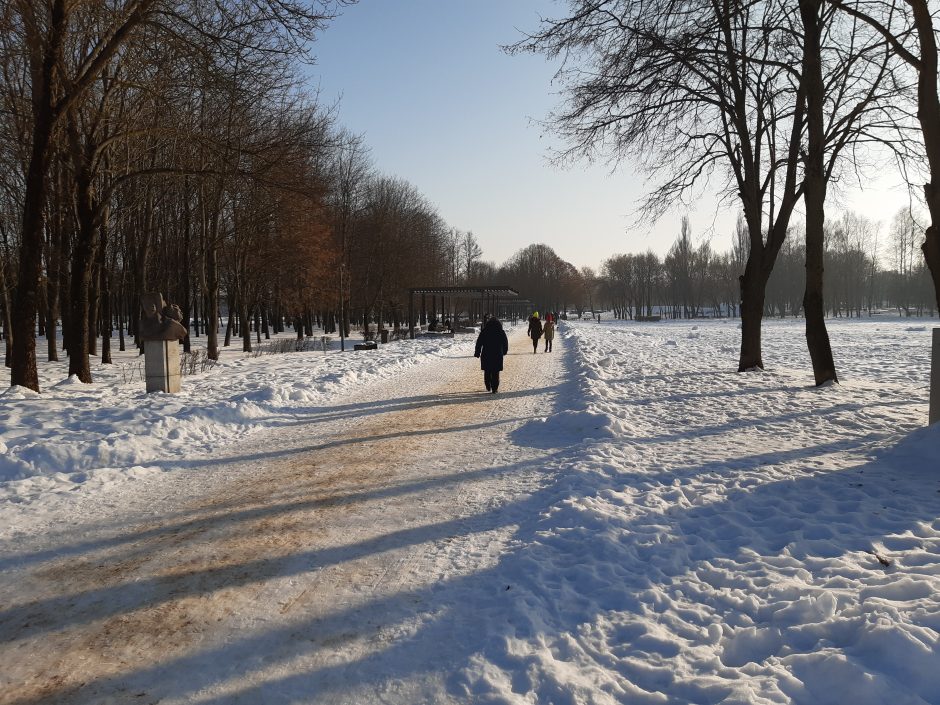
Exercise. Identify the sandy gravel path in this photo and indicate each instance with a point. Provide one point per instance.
(307, 565)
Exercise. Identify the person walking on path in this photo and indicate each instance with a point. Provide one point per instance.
(535, 331)
(492, 344)
(549, 331)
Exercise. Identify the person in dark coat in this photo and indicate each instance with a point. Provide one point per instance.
(535, 330)
(492, 344)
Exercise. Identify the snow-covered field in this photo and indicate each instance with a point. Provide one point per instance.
(730, 538)
(687, 534)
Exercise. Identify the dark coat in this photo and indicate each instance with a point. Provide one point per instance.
(492, 344)
(535, 328)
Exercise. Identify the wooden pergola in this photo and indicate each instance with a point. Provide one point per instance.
(491, 297)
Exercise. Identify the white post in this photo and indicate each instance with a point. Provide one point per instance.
(935, 379)
(162, 365)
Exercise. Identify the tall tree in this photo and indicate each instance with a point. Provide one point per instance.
(53, 93)
(814, 192)
(851, 94)
(692, 90)
(908, 26)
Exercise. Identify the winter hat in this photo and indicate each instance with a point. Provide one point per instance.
(535, 315)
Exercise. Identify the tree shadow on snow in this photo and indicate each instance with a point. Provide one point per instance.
(563, 568)
(320, 415)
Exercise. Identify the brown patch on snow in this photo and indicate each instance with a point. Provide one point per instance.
(157, 592)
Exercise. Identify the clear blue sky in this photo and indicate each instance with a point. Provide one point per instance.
(440, 104)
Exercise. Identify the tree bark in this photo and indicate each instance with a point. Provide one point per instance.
(212, 294)
(83, 256)
(104, 287)
(753, 287)
(244, 316)
(814, 195)
(928, 114)
(7, 321)
(23, 370)
(53, 262)
(186, 264)
(231, 320)
(94, 301)
(122, 307)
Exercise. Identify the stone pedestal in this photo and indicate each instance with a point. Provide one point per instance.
(935, 378)
(162, 365)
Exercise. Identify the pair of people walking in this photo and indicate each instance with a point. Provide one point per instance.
(537, 329)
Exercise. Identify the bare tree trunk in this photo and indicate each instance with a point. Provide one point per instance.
(814, 195)
(23, 370)
(83, 257)
(79, 304)
(928, 114)
(7, 321)
(141, 268)
(104, 286)
(212, 293)
(52, 306)
(244, 316)
(187, 289)
(94, 302)
(231, 320)
(753, 288)
(122, 307)
(53, 277)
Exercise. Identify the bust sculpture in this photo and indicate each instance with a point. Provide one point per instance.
(160, 321)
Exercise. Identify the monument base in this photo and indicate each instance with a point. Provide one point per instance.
(162, 365)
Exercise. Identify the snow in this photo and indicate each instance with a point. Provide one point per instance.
(74, 433)
(628, 521)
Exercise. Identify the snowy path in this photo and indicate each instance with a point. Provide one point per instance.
(333, 561)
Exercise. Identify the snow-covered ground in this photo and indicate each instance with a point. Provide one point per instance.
(631, 522)
(112, 430)
(731, 538)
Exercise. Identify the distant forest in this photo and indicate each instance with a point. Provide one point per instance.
(172, 146)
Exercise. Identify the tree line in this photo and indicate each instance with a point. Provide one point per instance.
(866, 272)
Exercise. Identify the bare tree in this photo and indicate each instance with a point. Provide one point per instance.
(63, 65)
(851, 95)
(350, 170)
(693, 90)
(470, 253)
(907, 25)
